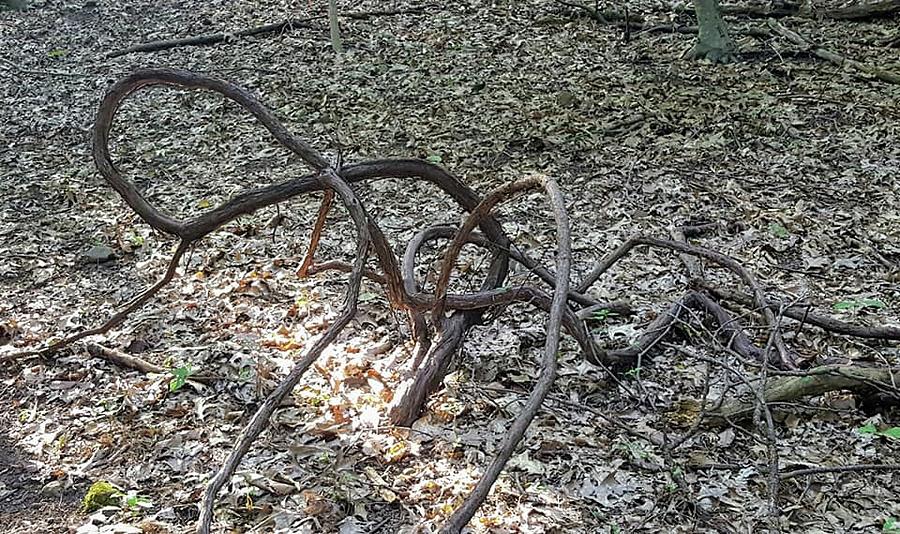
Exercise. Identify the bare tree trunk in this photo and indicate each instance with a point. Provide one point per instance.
(13, 5)
(713, 42)
(335, 28)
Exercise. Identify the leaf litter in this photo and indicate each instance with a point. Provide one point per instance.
(804, 155)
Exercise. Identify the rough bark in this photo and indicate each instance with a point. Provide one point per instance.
(713, 42)
(816, 381)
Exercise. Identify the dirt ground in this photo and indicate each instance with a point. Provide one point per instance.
(803, 154)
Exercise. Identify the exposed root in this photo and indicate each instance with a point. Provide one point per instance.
(439, 338)
(261, 418)
(729, 329)
(785, 357)
(702, 52)
(116, 319)
(464, 513)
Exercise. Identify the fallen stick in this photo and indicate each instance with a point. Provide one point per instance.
(278, 27)
(800, 312)
(214, 38)
(138, 364)
(827, 55)
(837, 469)
(865, 11)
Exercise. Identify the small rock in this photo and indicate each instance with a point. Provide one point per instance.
(137, 346)
(54, 487)
(99, 254)
(565, 98)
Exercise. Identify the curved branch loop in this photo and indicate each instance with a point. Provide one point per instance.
(188, 80)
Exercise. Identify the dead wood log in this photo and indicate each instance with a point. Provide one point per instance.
(864, 11)
(858, 468)
(816, 381)
(800, 312)
(854, 12)
(278, 27)
(837, 59)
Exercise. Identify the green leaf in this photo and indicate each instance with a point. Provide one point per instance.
(867, 429)
(203, 203)
(133, 501)
(180, 376)
(434, 158)
(602, 315)
(853, 304)
(891, 433)
(136, 240)
(891, 525)
(57, 52)
(778, 231)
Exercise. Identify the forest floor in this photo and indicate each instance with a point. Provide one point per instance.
(804, 155)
